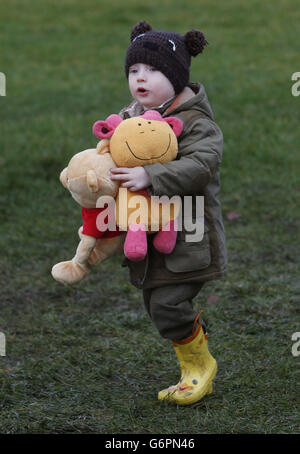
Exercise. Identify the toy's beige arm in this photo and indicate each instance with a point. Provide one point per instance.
(106, 247)
(89, 252)
(72, 271)
(84, 250)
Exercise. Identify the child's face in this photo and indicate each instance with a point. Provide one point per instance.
(148, 86)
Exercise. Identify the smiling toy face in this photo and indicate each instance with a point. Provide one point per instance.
(142, 140)
(138, 142)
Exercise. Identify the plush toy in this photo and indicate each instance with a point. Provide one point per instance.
(138, 141)
(87, 179)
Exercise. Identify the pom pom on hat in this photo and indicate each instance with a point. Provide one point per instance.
(139, 29)
(195, 42)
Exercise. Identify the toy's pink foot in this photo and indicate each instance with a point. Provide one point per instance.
(165, 240)
(135, 246)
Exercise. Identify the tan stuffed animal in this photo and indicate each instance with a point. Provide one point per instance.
(87, 179)
(138, 141)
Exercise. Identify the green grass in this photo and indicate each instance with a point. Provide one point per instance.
(87, 359)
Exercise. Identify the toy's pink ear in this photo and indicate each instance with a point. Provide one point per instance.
(105, 129)
(175, 124)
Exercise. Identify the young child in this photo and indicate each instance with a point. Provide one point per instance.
(157, 66)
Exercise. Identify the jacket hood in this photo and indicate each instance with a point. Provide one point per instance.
(192, 97)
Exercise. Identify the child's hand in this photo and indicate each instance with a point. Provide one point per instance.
(134, 178)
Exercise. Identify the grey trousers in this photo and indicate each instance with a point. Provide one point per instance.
(171, 309)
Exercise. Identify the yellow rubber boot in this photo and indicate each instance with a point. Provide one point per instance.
(198, 369)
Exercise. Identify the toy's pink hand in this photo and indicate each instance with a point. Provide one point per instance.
(134, 178)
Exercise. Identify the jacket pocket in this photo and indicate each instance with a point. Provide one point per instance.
(189, 256)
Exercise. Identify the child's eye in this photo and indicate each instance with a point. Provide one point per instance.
(151, 68)
(134, 70)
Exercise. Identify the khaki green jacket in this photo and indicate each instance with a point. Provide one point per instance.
(195, 172)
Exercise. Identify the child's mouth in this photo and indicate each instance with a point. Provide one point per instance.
(142, 91)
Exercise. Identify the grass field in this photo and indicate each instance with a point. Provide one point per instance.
(87, 359)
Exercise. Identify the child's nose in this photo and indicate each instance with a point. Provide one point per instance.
(141, 76)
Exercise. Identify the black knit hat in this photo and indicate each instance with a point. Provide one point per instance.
(169, 52)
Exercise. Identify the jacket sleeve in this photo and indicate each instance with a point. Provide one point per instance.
(198, 159)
